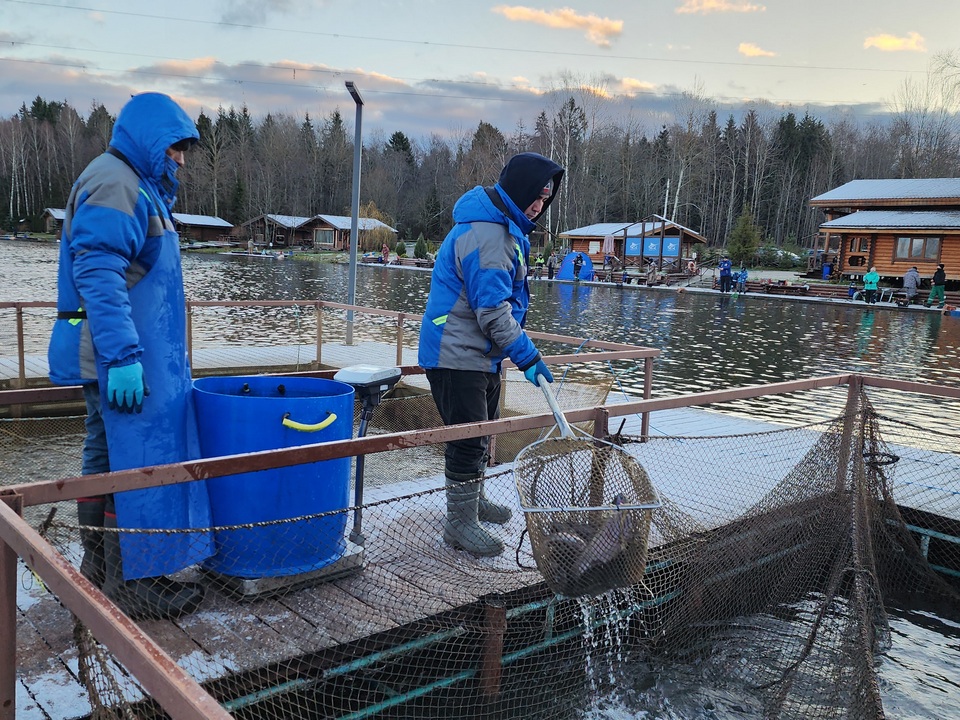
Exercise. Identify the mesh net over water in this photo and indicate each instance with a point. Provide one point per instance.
(767, 570)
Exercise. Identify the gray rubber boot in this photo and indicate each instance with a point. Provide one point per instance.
(153, 597)
(462, 528)
(90, 512)
(493, 512)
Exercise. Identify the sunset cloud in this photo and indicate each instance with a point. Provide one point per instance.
(632, 86)
(598, 30)
(751, 50)
(704, 7)
(913, 42)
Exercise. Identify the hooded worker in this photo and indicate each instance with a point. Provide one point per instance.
(474, 319)
(121, 334)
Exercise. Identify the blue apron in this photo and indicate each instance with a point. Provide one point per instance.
(165, 432)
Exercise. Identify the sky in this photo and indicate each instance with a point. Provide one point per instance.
(442, 66)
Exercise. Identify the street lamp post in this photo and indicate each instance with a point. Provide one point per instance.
(354, 209)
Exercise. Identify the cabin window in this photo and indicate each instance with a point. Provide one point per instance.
(323, 239)
(918, 249)
(859, 244)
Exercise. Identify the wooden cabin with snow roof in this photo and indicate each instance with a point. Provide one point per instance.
(653, 240)
(321, 232)
(892, 225)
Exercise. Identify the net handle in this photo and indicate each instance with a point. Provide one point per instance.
(565, 429)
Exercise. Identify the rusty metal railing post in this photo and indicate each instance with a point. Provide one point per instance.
(319, 331)
(400, 318)
(21, 352)
(647, 393)
(8, 620)
(491, 664)
(190, 335)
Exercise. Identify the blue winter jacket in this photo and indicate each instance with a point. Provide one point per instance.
(478, 293)
(116, 217)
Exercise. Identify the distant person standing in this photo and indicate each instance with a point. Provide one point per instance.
(938, 290)
(870, 282)
(742, 280)
(551, 265)
(911, 284)
(577, 266)
(726, 274)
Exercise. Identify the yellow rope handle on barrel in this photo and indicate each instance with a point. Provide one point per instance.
(294, 425)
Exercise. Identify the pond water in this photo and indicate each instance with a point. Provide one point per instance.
(707, 342)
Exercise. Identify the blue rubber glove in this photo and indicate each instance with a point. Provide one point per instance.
(126, 388)
(541, 369)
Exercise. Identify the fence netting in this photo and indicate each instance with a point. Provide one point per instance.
(769, 563)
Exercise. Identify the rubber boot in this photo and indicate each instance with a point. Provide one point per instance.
(488, 511)
(157, 598)
(462, 528)
(90, 512)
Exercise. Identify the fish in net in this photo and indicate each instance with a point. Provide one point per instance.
(588, 505)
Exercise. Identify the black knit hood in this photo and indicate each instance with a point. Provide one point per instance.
(526, 175)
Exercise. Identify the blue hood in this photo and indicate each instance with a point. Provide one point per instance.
(147, 125)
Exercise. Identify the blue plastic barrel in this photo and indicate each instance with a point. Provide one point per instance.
(827, 269)
(246, 414)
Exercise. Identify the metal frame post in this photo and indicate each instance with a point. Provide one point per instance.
(354, 208)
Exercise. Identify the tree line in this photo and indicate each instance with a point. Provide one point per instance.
(700, 169)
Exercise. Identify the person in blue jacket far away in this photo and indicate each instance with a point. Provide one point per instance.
(474, 319)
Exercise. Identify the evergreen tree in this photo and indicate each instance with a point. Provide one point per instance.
(744, 239)
(420, 249)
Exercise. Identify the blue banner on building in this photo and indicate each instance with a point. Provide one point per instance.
(651, 246)
(633, 246)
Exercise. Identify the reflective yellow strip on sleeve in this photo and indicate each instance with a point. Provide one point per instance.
(76, 321)
(440, 320)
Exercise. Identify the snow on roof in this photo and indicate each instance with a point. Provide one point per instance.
(896, 189)
(56, 213)
(288, 221)
(907, 219)
(634, 229)
(201, 220)
(342, 222)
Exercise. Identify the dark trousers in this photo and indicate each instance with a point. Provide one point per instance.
(726, 283)
(465, 396)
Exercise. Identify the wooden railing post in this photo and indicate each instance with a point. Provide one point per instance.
(190, 336)
(647, 393)
(400, 318)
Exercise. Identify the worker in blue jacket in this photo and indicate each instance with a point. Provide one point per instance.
(474, 320)
(121, 334)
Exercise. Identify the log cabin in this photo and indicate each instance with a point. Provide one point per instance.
(892, 225)
(655, 239)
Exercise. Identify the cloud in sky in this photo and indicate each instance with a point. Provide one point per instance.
(599, 30)
(704, 7)
(913, 42)
(751, 50)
